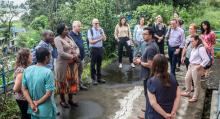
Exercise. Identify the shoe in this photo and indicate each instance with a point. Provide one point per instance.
(95, 82)
(64, 105)
(120, 65)
(132, 65)
(73, 104)
(193, 100)
(101, 81)
(83, 88)
(185, 94)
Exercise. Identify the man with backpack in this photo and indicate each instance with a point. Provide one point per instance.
(96, 36)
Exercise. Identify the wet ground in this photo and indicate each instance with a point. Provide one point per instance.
(122, 97)
(104, 101)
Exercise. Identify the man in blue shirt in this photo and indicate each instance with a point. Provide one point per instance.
(77, 37)
(175, 36)
(96, 36)
(48, 37)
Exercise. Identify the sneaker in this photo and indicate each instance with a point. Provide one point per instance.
(132, 65)
(95, 82)
(120, 65)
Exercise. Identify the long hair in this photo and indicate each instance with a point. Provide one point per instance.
(208, 27)
(160, 69)
(22, 58)
(120, 24)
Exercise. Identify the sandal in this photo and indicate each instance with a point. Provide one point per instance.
(193, 100)
(185, 94)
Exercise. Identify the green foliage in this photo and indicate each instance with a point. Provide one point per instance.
(8, 107)
(86, 10)
(39, 23)
(28, 39)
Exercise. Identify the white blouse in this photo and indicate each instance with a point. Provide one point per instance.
(199, 56)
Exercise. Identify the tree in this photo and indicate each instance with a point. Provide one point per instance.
(8, 11)
(39, 23)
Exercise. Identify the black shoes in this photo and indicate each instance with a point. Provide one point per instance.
(73, 104)
(99, 81)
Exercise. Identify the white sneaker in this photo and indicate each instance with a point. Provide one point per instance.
(132, 65)
(120, 65)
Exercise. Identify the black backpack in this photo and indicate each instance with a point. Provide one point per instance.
(87, 40)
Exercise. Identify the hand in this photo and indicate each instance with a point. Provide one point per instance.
(160, 39)
(138, 61)
(177, 51)
(173, 115)
(167, 116)
(34, 108)
(36, 103)
(183, 60)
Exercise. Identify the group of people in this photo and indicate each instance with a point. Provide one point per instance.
(36, 83)
(55, 65)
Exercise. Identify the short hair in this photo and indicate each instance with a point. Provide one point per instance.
(174, 20)
(60, 28)
(150, 30)
(193, 25)
(75, 23)
(95, 19)
(41, 54)
(46, 32)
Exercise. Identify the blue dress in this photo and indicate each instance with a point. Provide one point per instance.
(38, 80)
(165, 96)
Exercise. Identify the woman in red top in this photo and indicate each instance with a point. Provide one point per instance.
(208, 38)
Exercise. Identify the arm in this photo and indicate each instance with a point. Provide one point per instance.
(50, 87)
(147, 64)
(204, 56)
(182, 39)
(156, 106)
(60, 50)
(103, 35)
(91, 40)
(116, 33)
(18, 83)
(44, 98)
(134, 33)
(176, 102)
(129, 32)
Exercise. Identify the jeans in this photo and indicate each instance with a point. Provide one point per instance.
(122, 43)
(80, 71)
(23, 105)
(139, 48)
(173, 59)
(96, 62)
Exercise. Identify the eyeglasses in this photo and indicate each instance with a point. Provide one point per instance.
(96, 23)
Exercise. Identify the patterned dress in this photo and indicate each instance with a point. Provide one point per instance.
(209, 40)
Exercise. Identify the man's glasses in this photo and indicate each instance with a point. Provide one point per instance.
(96, 23)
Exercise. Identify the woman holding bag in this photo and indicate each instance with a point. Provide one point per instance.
(66, 66)
(124, 38)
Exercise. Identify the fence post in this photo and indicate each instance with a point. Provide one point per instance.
(3, 76)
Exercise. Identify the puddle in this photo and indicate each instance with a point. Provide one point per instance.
(86, 110)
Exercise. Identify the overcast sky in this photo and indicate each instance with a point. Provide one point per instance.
(18, 2)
